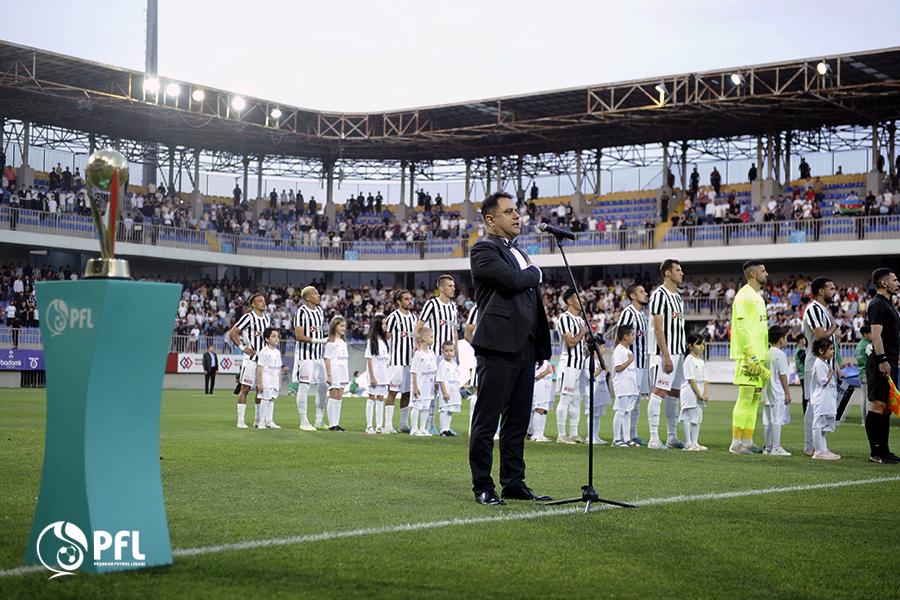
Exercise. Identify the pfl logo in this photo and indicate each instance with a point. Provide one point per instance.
(64, 554)
(60, 317)
(62, 547)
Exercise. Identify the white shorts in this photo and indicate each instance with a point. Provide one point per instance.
(571, 382)
(399, 379)
(692, 415)
(446, 407)
(823, 422)
(774, 413)
(666, 381)
(642, 380)
(248, 372)
(269, 393)
(625, 403)
(337, 385)
(378, 390)
(421, 403)
(543, 394)
(602, 398)
(309, 371)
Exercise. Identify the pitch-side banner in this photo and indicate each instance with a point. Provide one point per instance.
(193, 363)
(21, 360)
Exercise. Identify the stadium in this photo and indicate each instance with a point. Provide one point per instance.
(266, 219)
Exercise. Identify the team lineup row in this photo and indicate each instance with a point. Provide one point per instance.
(414, 357)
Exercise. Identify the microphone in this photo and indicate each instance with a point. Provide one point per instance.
(560, 233)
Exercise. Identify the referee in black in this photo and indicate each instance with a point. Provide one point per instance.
(510, 337)
(882, 363)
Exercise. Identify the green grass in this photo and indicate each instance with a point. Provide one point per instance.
(224, 485)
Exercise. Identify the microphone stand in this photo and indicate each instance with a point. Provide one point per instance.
(589, 495)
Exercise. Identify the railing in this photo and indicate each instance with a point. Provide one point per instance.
(720, 350)
(776, 232)
(30, 338)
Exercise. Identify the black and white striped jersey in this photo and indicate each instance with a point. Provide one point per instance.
(817, 315)
(252, 327)
(402, 342)
(670, 306)
(571, 357)
(632, 315)
(443, 319)
(312, 320)
(472, 319)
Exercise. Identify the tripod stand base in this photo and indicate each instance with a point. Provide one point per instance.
(589, 496)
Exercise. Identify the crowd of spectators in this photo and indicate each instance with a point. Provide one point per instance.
(210, 308)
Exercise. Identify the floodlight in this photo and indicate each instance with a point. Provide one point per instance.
(173, 90)
(151, 85)
(198, 95)
(238, 103)
(823, 68)
(737, 79)
(276, 113)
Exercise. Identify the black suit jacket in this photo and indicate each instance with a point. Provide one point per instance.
(509, 301)
(207, 363)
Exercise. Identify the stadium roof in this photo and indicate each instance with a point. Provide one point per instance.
(859, 89)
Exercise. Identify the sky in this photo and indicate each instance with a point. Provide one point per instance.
(359, 56)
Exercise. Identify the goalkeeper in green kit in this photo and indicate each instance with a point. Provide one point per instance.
(749, 348)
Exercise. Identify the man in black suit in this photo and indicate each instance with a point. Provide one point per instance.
(511, 335)
(210, 368)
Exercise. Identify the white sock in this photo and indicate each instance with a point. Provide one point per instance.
(257, 411)
(337, 411)
(379, 414)
(686, 426)
(531, 424)
(472, 400)
(370, 412)
(242, 409)
(635, 414)
(265, 412)
(695, 434)
(302, 401)
(562, 412)
(818, 438)
(597, 416)
(444, 419)
(574, 415)
(672, 417)
(775, 427)
(404, 416)
(415, 420)
(619, 426)
(540, 422)
(389, 416)
(321, 402)
(808, 441)
(654, 407)
(431, 411)
(423, 420)
(332, 412)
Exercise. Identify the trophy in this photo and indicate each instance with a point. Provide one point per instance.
(107, 176)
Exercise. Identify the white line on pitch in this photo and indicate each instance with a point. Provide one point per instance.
(519, 516)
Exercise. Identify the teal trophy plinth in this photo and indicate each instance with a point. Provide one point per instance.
(101, 504)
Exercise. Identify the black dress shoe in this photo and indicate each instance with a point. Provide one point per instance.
(524, 493)
(489, 498)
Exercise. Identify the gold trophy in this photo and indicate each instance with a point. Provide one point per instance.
(106, 175)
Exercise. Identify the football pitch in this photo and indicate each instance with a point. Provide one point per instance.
(291, 514)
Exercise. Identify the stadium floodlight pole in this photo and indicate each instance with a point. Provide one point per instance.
(589, 494)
